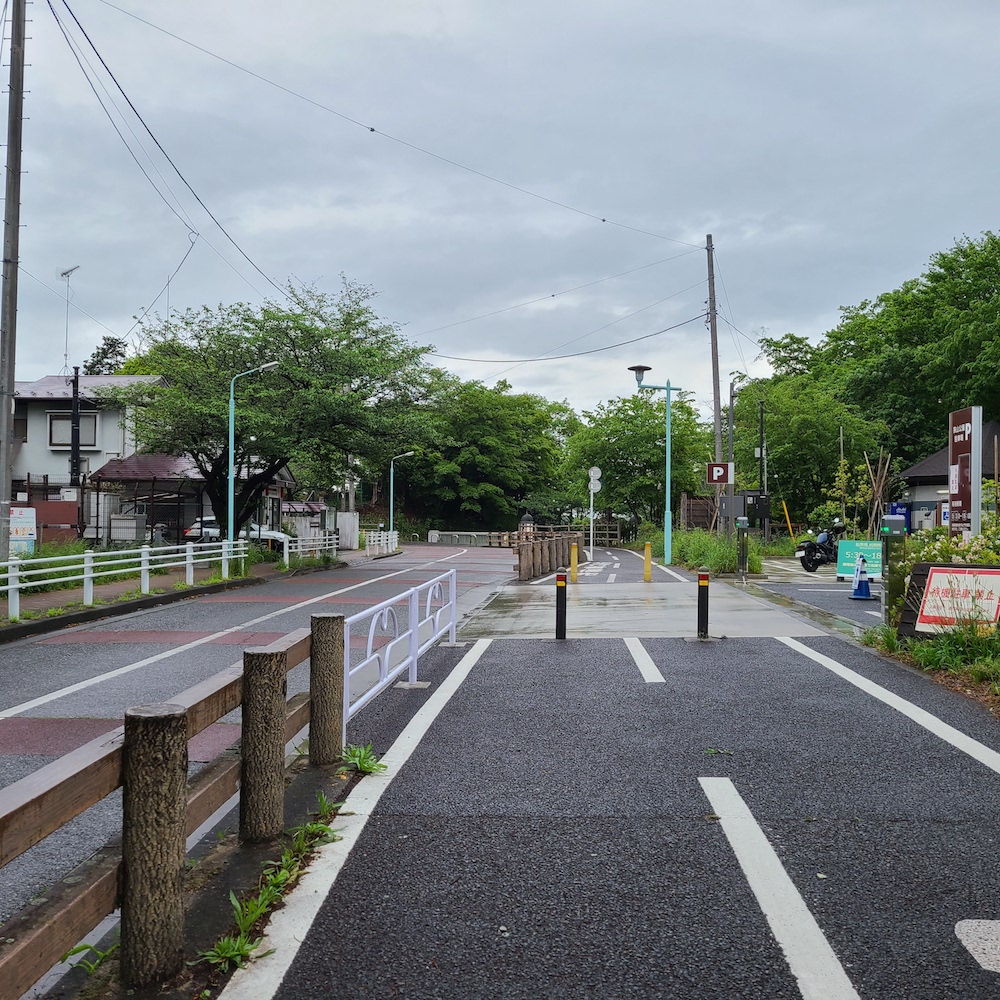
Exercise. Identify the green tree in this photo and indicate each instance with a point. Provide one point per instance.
(625, 439)
(484, 456)
(108, 357)
(345, 381)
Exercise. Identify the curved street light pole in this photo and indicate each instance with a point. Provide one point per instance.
(231, 513)
(640, 371)
(392, 483)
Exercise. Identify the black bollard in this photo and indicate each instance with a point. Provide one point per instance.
(561, 604)
(703, 603)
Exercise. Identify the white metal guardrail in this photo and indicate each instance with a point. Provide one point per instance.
(315, 546)
(88, 567)
(429, 614)
(381, 543)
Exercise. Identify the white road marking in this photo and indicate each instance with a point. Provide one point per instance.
(982, 939)
(812, 961)
(611, 577)
(167, 653)
(544, 579)
(617, 565)
(976, 750)
(666, 569)
(648, 669)
(288, 926)
(877, 614)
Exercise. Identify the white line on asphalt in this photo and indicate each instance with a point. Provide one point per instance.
(289, 925)
(617, 565)
(982, 939)
(648, 669)
(877, 614)
(975, 749)
(543, 579)
(611, 577)
(816, 968)
(665, 569)
(128, 668)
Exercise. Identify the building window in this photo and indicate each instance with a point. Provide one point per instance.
(60, 430)
(20, 428)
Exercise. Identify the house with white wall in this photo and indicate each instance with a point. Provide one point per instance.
(42, 426)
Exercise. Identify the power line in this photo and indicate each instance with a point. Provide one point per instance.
(398, 139)
(578, 354)
(552, 295)
(176, 169)
(621, 319)
(736, 343)
(166, 285)
(80, 60)
(54, 291)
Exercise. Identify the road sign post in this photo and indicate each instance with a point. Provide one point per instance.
(595, 487)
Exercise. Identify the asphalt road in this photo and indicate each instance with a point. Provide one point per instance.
(60, 690)
(822, 590)
(569, 826)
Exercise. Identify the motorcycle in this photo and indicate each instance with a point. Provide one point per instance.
(813, 554)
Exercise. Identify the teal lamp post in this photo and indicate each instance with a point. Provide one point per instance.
(231, 521)
(392, 482)
(641, 370)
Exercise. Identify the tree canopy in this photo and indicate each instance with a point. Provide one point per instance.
(344, 383)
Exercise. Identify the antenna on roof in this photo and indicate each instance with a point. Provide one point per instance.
(65, 274)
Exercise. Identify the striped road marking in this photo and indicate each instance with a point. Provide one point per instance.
(812, 961)
(288, 926)
(648, 669)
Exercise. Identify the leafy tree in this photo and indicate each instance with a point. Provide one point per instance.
(625, 438)
(108, 357)
(345, 380)
(802, 424)
(485, 455)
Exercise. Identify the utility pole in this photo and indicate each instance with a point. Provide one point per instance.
(716, 392)
(11, 239)
(731, 488)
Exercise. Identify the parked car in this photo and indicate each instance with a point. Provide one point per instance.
(207, 528)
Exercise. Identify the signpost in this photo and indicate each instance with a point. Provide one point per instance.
(965, 471)
(721, 473)
(595, 487)
(23, 529)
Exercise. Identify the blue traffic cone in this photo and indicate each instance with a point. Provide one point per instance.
(861, 591)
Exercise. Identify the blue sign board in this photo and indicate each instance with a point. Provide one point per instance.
(848, 551)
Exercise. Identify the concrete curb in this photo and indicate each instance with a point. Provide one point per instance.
(22, 630)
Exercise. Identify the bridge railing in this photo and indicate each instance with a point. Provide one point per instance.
(147, 754)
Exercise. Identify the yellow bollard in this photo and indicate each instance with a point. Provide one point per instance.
(647, 563)
(572, 563)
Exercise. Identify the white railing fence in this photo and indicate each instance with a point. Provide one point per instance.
(87, 567)
(381, 543)
(327, 543)
(399, 631)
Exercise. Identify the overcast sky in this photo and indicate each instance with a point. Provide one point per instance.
(829, 147)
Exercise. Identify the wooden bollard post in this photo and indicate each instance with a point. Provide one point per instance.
(536, 559)
(262, 767)
(546, 555)
(154, 814)
(326, 689)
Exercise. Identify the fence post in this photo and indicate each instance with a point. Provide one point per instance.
(189, 563)
(262, 767)
(226, 546)
(88, 577)
(523, 561)
(326, 689)
(453, 601)
(284, 550)
(154, 812)
(144, 569)
(13, 588)
(546, 546)
(413, 613)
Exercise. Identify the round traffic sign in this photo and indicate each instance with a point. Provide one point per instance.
(594, 472)
(595, 486)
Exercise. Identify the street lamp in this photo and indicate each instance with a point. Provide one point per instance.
(392, 483)
(641, 370)
(231, 523)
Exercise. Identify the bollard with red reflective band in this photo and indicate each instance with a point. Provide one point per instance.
(703, 602)
(561, 604)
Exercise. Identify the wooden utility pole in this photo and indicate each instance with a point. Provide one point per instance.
(11, 238)
(716, 394)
